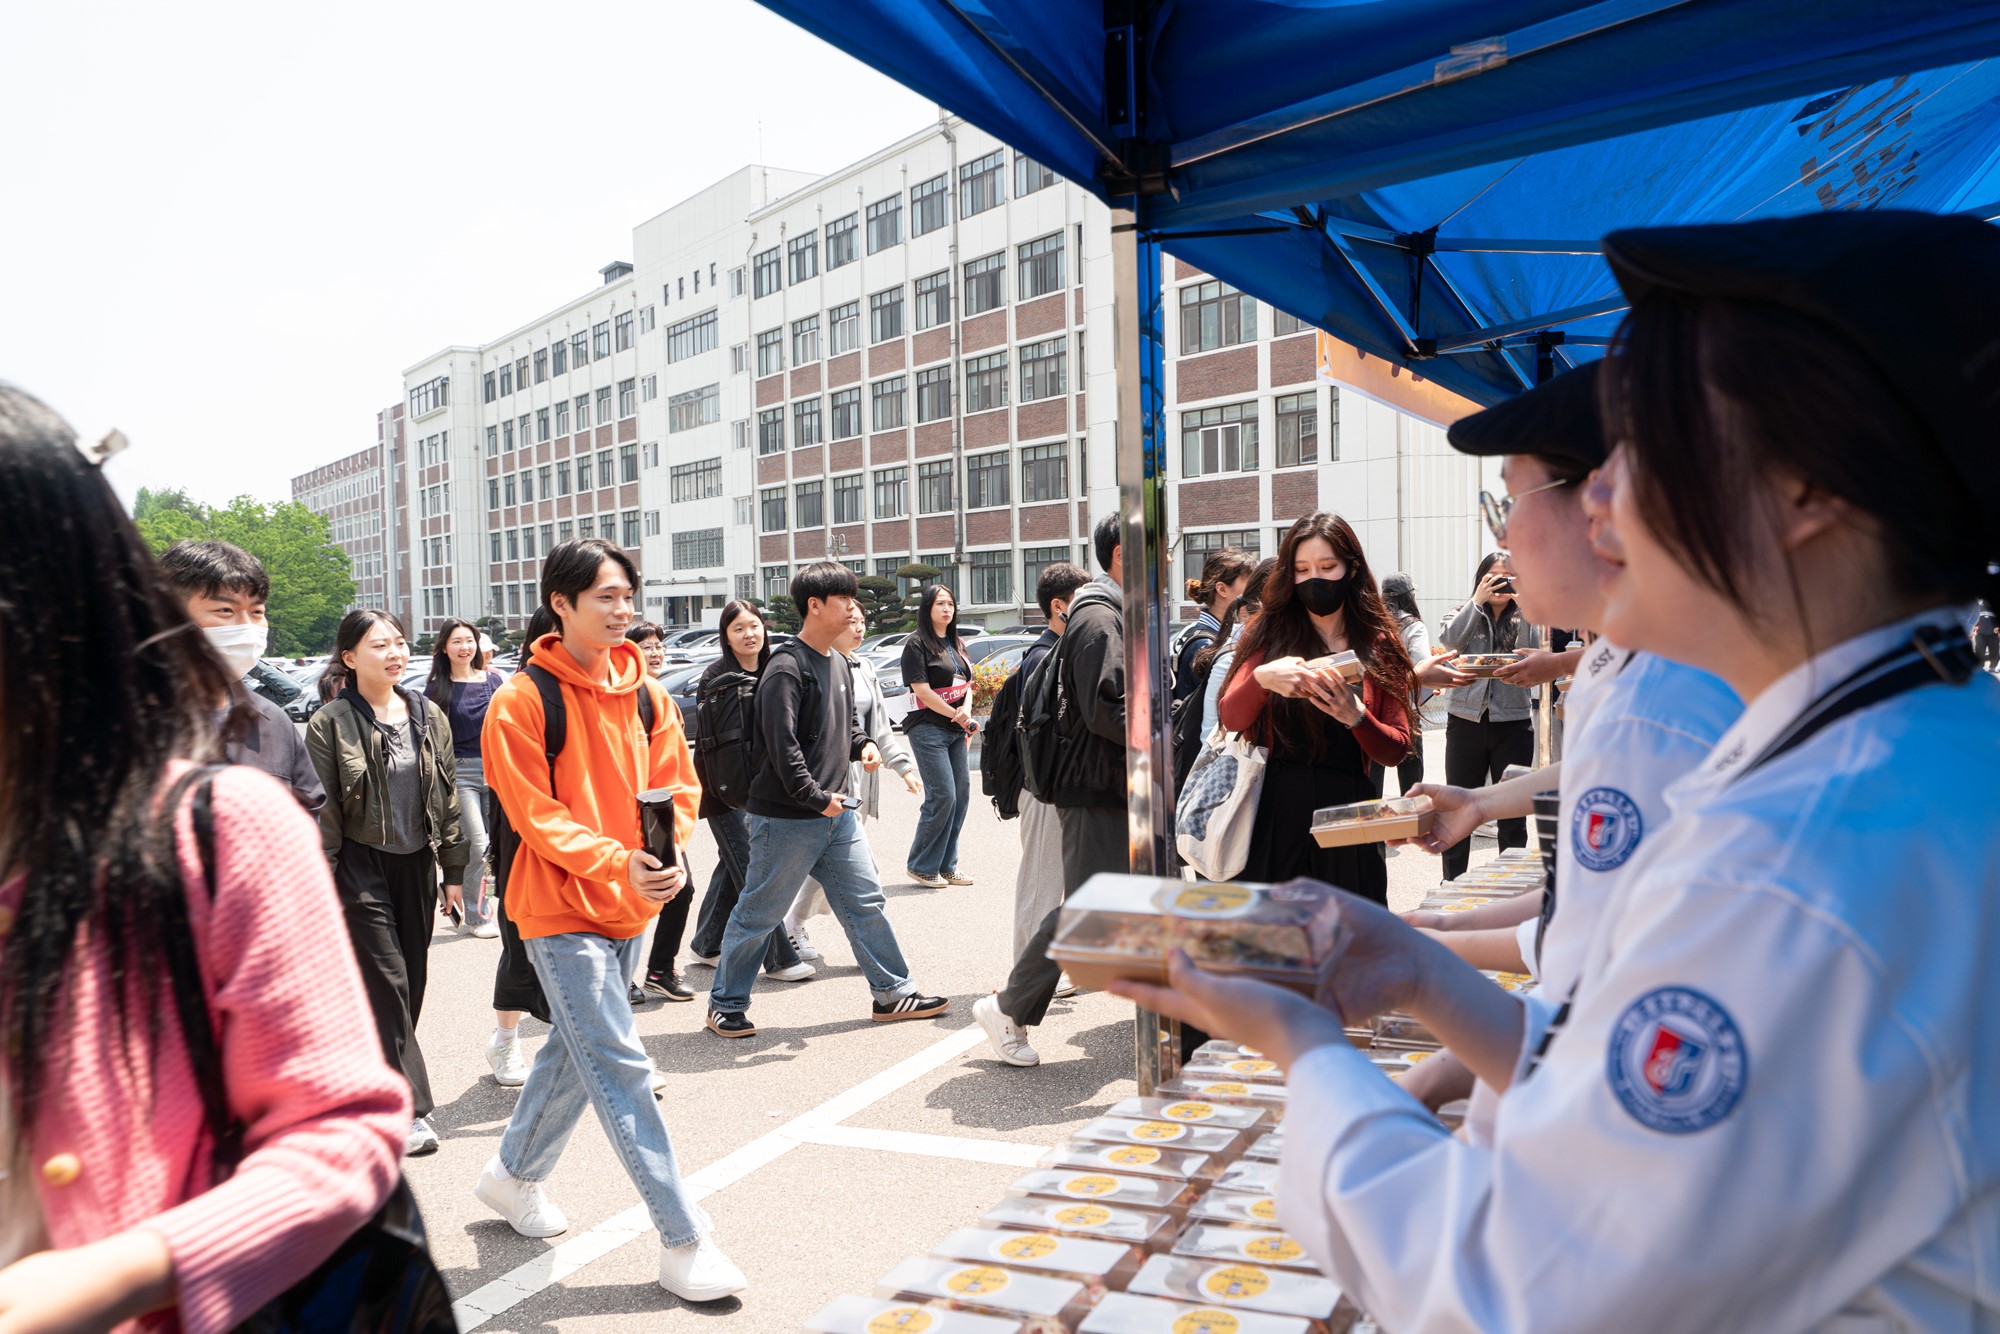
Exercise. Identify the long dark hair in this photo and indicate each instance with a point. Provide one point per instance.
(1507, 622)
(730, 611)
(927, 634)
(1250, 602)
(354, 628)
(1284, 628)
(438, 689)
(93, 707)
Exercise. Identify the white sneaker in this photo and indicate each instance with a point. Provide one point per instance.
(422, 1139)
(1066, 988)
(927, 881)
(524, 1204)
(705, 960)
(801, 942)
(699, 1272)
(509, 1065)
(1009, 1039)
(798, 972)
(486, 930)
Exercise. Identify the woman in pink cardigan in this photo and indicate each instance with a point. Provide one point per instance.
(107, 1212)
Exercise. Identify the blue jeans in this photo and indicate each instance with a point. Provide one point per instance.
(940, 753)
(593, 1056)
(472, 821)
(732, 868)
(782, 854)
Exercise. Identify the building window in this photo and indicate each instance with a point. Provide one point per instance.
(541, 365)
(493, 547)
(541, 423)
(1042, 370)
(770, 352)
(628, 398)
(521, 374)
(737, 280)
(696, 481)
(739, 433)
(649, 387)
(933, 300)
(507, 437)
(1033, 561)
(891, 492)
(771, 510)
(1196, 548)
(744, 511)
(1030, 176)
(805, 423)
(986, 382)
(775, 583)
(888, 401)
(527, 489)
(565, 530)
(1298, 430)
(487, 392)
(1221, 439)
(514, 599)
(628, 463)
(587, 526)
(431, 395)
(841, 240)
(985, 285)
(739, 358)
(1041, 266)
(810, 498)
(930, 206)
(805, 341)
(506, 380)
(692, 336)
(934, 486)
(804, 251)
(771, 431)
(492, 442)
(846, 413)
(558, 357)
(604, 406)
(628, 522)
(579, 351)
(583, 412)
(583, 476)
(982, 184)
(843, 328)
(849, 504)
(562, 416)
(652, 523)
(1044, 473)
(646, 320)
(493, 493)
(562, 478)
(528, 543)
(992, 578)
(885, 315)
(768, 271)
(986, 480)
(1214, 314)
(600, 339)
(934, 394)
(696, 407)
(1282, 324)
(513, 544)
(885, 223)
(947, 568)
(542, 481)
(622, 330)
(698, 549)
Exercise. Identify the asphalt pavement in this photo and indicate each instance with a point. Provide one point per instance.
(827, 1148)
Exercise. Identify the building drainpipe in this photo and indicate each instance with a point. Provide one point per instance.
(756, 444)
(957, 367)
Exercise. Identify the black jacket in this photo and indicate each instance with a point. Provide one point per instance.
(726, 665)
(1090, 660)
(803, 764)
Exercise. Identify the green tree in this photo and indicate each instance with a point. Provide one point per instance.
(781, 613)
(918, 575)
(882, 604)
(312, 581)
(495, 629)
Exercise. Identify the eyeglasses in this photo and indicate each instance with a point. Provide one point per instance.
(1498, 509)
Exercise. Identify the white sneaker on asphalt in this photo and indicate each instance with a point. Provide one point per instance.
(802, 944)
(422, 1139)
(486, 930)
(509, 1065)
(798, 972)
(1009, 1039)
(524, 1204)
(700, 1272)
(927, 881)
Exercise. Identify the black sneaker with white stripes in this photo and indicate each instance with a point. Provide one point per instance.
(912, 1006)
(727, 1025)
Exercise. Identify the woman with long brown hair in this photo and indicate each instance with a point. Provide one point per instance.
(1324, 736)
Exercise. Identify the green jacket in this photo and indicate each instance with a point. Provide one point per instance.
(346, 749)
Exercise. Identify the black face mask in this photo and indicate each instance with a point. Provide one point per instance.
(1322, 597)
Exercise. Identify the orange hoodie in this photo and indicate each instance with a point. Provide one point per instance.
(570, 873)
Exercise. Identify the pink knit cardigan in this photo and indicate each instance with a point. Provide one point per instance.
(120, 1144)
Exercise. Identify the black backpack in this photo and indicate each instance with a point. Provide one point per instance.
(1000, 752)
(725, 714)
(515, 984)
(1187, 733)
(1040, 726)
(809, 708)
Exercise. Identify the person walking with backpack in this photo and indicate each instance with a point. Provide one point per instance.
(725, 723)
(582, 890)
(1080, 771)
(938, 672)
(390, 824)
(803, 822)
(1224, 575)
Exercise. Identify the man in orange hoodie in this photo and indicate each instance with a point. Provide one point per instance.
(582, 890)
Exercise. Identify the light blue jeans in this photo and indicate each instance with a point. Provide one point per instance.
(472, 821)
(782, 854)
(593, 1057)
(941, 759)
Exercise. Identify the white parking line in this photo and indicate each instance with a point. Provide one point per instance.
(559, 1262)
(966, 1148)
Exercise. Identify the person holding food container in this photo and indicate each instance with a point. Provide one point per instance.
(1491, 721)
(1769, 1101)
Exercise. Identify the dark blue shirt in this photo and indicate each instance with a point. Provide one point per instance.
(468, 713)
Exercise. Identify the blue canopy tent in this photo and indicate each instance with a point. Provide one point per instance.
(1427, 179)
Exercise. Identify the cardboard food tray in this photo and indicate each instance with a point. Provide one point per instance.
(1375, 831)
(1484, 664)
(1095, 970)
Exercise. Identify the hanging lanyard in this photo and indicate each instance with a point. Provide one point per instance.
(1930, 655)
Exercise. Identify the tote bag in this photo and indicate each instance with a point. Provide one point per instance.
(1218, 805)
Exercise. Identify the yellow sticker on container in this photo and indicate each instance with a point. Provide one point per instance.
(1212, 900)
(1224, 1090)
(1189, 1111)
(1083, 1215)
(1204, 1321)
(902, 1320)
(1090, 1187)
(1157, 1132)
(1412, 1057)
(1253, 1067)
(977, 1281)
(1235, 1283)
(1029, 1246)
(1266, 1208)
(1133, 1155)
(1274, 1250)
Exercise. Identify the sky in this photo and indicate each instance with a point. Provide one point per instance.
(228, 227)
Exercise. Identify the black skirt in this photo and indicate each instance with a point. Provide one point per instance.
(1281, 842)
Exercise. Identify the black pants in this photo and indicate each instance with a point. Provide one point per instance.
(389, 900)
(1989, 653)
(671, 928)
(1094, 839)
(1411, 771)
(1477, 753)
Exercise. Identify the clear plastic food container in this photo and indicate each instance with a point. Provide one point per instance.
(1144, 1160)
(1190, 1110)
(1402, 1032)
(1229, 1089)
(1237, 1208)
(1101, 1187)
(1259, 1178)
(1124, 1313)
(1042, 1305)
(1100, 1266)
(1134, 1227)
(1372, 821)
(1484, 664)
(1268, 1147)
(1342, 666)
(1239, 1287)
(1122, 926)
(1220, 1144)
(877, 1315)
(1203, 1241)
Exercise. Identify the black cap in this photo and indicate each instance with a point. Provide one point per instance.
(1918, 294)
(1557, 419)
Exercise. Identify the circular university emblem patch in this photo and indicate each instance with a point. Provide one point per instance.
(1605, 829)
(1676, 1061)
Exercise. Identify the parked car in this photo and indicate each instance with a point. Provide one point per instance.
(680, 684)
(700, 634)
(984, 647)
(282, 690)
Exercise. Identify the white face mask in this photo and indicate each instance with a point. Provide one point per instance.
(239, 646)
